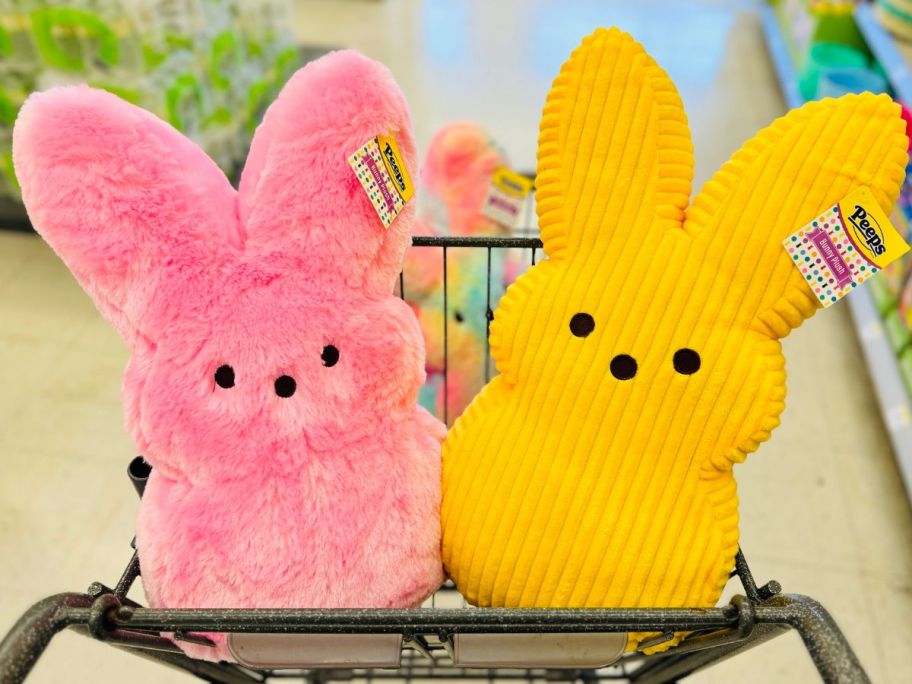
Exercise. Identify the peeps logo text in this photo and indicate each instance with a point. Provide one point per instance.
(392, 164)
(867, 231)
(513, 186)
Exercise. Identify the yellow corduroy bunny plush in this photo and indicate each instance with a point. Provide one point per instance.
(641, 360)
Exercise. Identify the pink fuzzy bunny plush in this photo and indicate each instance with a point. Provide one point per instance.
(274, 376)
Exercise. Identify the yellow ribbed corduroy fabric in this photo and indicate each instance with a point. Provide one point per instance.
(576, 478)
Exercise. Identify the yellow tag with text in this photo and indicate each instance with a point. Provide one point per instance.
(396, 166)
(870, 229)
(506, 196)
(381, 171)
(511, 182)
(844, 246)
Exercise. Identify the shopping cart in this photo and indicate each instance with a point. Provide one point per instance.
(446, 639)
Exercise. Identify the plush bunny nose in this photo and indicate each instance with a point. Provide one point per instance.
(285, 386)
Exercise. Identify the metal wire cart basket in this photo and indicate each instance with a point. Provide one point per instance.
(437, 642)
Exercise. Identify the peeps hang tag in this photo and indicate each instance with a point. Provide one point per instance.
(380, 169)
(506, 196)
(844, 246)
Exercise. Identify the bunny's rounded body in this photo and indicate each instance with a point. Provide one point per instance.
(268, 536)
(317, 499)
(314, 499)
(274, 377)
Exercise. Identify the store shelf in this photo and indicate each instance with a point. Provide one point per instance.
(884, 368)
(892, 56)
(883, 365)
(781, 57)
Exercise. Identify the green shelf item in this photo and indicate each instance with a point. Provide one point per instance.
(176, 41)
(131, 95)
(224, 58)
(75, 23)
(883, 298)
(255, 48)
(221, 116)
(6, 43)
(8, 108)
(286, 62)
(840, 27)
(152, 57)
(256, 101)
(905, 367)
(208, 67)
(184, 93)
(904, 363)
(823, 57)
(7, 170)
(897, 332)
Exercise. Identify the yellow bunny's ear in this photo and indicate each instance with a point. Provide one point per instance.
(779, 181)
(615, 157)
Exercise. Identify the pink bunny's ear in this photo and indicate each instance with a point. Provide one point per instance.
(122, 197)
(300, 198)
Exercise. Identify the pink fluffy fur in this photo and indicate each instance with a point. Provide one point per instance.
(326, 498)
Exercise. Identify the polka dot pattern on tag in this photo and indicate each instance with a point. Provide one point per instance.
(372, 173)
(817, 269)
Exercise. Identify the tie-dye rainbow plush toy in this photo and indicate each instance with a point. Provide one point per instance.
(642, 360)
(457, 173)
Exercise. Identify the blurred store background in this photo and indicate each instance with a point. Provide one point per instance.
(825, 505)
(208, 67)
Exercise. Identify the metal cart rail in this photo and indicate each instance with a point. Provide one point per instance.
(428, 634)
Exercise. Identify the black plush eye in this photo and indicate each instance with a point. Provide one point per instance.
(330, 356)
(224, 376)
(686, 361)
(285, 386)
(623, 367)
(459, 317)
(582, 324)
